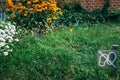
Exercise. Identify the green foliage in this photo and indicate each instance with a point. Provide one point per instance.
(62, 55)
(115, 15)
(77, 14)
(31, 21)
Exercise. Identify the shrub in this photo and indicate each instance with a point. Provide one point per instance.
(7, 37)
(77, 14)
(33, 13)
(115, 15)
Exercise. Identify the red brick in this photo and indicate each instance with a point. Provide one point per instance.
(94, 4)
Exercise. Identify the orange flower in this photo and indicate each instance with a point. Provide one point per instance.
(49, 20)
(28, 2)
(12, 15)
(19, 4)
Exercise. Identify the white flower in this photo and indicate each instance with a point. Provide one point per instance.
(7, 33)
(10, 50)
(6, 27)
(10, 40)
(3, 36)
(2, 22)
(7, 46)
(2, 32)
(20, 30)
(2, 44)
(12, 31)
(13, 27)
(5, 53)
(16, 32)
(2, 39)
(1, 25)
(16, 40)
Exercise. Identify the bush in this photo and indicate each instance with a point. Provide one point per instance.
(115, 15)
(33, 13)
(77, 14)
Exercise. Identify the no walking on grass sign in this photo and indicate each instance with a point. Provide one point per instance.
(108, 58)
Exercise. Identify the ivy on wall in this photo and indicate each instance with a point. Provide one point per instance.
(78, 14)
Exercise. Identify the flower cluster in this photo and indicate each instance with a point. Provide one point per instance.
(41, 10)
(7, 36)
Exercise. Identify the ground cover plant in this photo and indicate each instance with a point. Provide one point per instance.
(69, 53)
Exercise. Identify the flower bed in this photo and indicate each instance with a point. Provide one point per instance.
(7, 37)
(33, 13)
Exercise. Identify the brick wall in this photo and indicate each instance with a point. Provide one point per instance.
(95, 4)
(115, 4)
(88, 4)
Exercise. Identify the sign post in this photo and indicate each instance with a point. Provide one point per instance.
(115, 71)
(109, 59)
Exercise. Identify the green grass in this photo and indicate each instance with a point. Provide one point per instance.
(62, 55)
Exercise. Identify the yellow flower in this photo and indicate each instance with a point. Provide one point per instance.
(14, 7)
(19, 11)
(54, 17)
(53, 1)
(7, 10)
(39, 6)
(60, 13)
(31, 9)
(12, 15)
(59, 9)
(49, 20)
(35, 0)
(22, 7)
(9, 2)
(52, 5)
(39, 10)
(71, 30)
(54, 10)
(45, 3)
(25, 14)
(44, 8)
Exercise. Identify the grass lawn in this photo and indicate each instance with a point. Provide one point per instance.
(62, 55)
